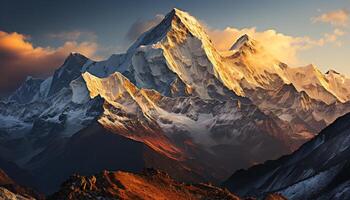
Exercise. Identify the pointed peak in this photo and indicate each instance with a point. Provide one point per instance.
(177, 12)
(244, 37)
(74, 58)
(183, 19)
(244, 40)
(177, 21)
(332, 71)
(70, 70)
(74, 55)
(180, 13)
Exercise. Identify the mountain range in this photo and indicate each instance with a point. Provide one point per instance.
(317, 170)
(171, 102)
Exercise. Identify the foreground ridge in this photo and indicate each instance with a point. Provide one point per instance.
(151, 184)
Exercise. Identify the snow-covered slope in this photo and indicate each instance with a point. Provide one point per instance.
(57, 105)
(301, 96)
(175, 56)
(318, 170)
(260, 69)
(174, 126)
(27, 91)
(313, 82)
(339, 84)
(256, 67)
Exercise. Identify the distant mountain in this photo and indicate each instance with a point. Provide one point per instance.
(302, 96)
(318, 170)
(175, 102)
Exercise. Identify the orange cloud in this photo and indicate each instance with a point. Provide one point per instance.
(335, 18)
(333, 37)
(19, 58)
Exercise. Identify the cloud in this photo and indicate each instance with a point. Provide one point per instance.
(20, 58)
(141, 26)
(281, 46)
(333, 37)
(335, 18)
(73, 35)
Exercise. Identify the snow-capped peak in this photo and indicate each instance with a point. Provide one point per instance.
(178, 50)
(175, 19)
(27, 91)
(190, 23)
(240, 42)
(69, 71)
(73, 56)
(265, 70)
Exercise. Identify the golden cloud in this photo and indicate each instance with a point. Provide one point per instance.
(335, 18)
(19, 58)
(281, 46)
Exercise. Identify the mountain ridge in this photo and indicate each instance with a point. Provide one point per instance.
(317, 170)
(175, 99)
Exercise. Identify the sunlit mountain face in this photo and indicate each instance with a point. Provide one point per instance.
(176, 103)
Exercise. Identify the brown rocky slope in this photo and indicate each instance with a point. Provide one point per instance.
(149, 185)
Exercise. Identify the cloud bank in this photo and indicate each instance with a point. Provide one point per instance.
(336, 18)
(20, 58)
(73, 35)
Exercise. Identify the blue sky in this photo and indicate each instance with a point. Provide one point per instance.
(104, 24)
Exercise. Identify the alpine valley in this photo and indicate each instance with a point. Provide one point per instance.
(174, 103)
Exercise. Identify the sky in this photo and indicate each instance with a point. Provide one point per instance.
(37, 35)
